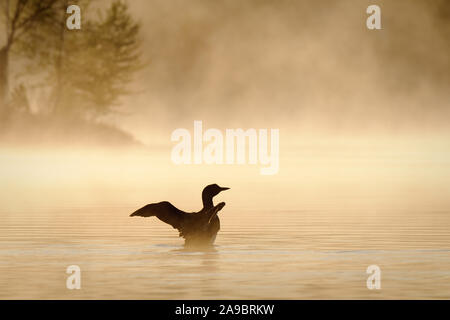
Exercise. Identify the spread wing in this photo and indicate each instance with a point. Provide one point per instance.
(164, 211)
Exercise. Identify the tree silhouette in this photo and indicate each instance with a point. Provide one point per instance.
(87, 70)
(19, 18)
(110, 56)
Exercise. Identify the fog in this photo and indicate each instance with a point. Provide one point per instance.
(361, 112)
(87, 116)
(307, 68)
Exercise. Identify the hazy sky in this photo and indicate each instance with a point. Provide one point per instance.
(306, 66)
(309, 65)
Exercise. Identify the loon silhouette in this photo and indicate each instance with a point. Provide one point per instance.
(197, 228)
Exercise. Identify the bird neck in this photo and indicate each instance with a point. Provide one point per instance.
(207, 202)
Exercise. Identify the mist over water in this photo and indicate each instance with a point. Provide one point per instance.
(306, 233)
(364, 160)
(311, 68)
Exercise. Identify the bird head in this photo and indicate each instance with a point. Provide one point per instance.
(212, 190)
(209, 193)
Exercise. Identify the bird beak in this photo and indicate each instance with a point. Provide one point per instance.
(224, 188)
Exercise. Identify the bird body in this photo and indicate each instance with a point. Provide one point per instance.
(197, 228)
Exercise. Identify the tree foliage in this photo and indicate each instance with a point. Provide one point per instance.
(19, 17)
(86, 71)
(109, 60)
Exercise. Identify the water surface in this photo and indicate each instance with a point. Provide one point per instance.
(308, 254)
(309, 232)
